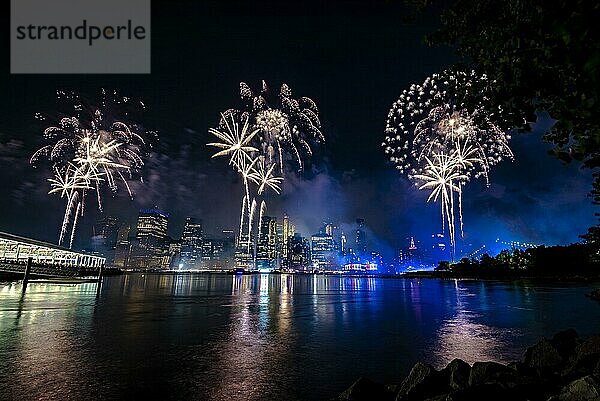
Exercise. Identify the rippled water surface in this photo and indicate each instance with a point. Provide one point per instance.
(263, 337)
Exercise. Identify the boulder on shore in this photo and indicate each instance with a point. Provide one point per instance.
(543, 357)
(585, 389)
(422, 382)
(584, 359)
(492, 373)
(565, 342)
(565, 368)
(458, 372)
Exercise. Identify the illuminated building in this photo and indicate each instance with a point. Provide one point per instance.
(322, 251)
(266, 246)
(339, 238)
(244, 250)
(175, 255)
(217, 252)
(413, 255)
(299, 253)
(367, 264)
(287, 233)
(122, 247)
(151, 238)
(328, 228)
(105, 236)
(361, 237)
(191, 244)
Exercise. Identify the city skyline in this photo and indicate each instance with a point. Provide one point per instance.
(278, 247)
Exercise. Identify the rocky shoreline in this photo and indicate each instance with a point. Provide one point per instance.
(563, 368)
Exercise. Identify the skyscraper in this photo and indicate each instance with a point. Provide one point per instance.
(299, 253)
(322, 251)
(361, 237)
(152, 238)
(191, 244)
(122, 247)
(266, 245)
(104, 236)
(285, 234)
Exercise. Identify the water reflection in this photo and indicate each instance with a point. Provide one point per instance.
(258, 341)
(464, 336)
(42, 348)
(262, 337)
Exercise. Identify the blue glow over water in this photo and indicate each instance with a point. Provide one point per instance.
(264, 337)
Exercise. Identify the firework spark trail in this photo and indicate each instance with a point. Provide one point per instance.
(263, 209)
(71, 201)
(99, 146)
(244, 200)
(440, 176)
(442, 133)
(74, 224)
(250, 220)
(68, 184)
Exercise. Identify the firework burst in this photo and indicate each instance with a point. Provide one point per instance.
(91, 148)
(445, 127)
(287, 127)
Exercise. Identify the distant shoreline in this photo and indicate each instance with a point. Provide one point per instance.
(419, 275)
(448, 275)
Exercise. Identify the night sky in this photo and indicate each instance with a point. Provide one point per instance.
(352, 61)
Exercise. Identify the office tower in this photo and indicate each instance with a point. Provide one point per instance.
(285, 236)
(299, 253)
(175, 255)
(361, 237)
(266, 243)
(191, 243)
(323, 253)
(328, 228)
(152, 238)
(122, 247)
(227, 246)
(217, 253)
(207, 251)
(105, 235)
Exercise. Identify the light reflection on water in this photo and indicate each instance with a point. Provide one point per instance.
(262, 337)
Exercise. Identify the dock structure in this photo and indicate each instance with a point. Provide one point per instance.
(45, 259)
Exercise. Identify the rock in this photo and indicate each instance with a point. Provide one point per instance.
(585, 389)
(492, 373)
(458, 372)
(521, 368)
(565, 342)
(484, 392)
(422, 382)
(543, 357)
(366, 390)
(584, 359)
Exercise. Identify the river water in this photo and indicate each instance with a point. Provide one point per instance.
(263, 337)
